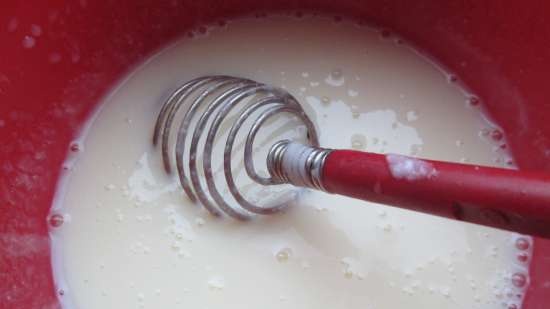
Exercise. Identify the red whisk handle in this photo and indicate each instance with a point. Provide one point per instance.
(507, 199)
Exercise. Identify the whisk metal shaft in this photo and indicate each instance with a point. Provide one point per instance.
(297, 164)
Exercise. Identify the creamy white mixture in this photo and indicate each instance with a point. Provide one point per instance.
(125, 236)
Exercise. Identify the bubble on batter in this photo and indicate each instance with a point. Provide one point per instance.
(352, 268)
(445, 291)
(348, 273)
(199, 221)
(355, 111)
(358, 141)
(283, 254)
(335, 78)
(412, 116)
(484, 132)
(353, 93)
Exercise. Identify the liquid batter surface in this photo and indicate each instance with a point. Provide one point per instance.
(131, 239)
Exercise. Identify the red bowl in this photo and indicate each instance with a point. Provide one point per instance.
(502, 52)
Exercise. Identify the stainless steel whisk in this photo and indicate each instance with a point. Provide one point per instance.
(502, 198)
(220, 95)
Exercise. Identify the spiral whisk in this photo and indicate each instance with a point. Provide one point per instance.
(206, 102)
(501, 198)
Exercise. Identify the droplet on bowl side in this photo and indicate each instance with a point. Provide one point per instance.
(497, 135)
(519, 280)
(28, 42)
(522, 243)
(56, 220)
(523, 257)
(36, 30)
(473, 101)
(75, 147)
(452, 78)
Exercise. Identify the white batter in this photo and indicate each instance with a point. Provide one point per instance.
(131, 239)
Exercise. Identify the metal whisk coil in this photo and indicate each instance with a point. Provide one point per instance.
(219, 95)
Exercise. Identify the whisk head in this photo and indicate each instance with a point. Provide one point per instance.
(208, 101)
